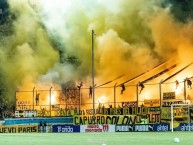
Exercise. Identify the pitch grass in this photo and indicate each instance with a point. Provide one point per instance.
(124, 138)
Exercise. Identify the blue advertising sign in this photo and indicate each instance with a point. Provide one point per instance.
(184, 127)
(161, 127)
(65, 128)
(142, 127)
(133, 128)
(17, 121)
(124, 128)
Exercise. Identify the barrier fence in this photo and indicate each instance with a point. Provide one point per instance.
(67, 128)
(150, 95)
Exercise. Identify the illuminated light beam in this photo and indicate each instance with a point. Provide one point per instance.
(159, 74)
(131, 78)
(178, 91)
(177, 72)
(142, 73)
(190, 77)
(109, 81)
(102, 99)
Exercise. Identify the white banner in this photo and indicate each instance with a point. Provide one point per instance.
(26, 113)
(97, 128)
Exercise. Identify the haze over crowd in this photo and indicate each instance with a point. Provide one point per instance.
(49, 43)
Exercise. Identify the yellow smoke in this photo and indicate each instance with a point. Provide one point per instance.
(28, 52)
(131, 37)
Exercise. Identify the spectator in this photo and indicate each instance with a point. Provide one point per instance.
(189, 83)
(45, 126)
(41, 126)
(80, 85)
(142, 86)
(90, 92)
(177, 84)
(123, 88)
(37, 98)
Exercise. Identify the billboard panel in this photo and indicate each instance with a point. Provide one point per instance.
(65, 128)
(19, 129)
(97, 128)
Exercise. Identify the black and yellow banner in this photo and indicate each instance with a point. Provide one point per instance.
(19, 129)
(152, 103)
(115, 119)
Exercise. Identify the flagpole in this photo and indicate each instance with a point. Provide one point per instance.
(93, 86)
(50, 101)
(33, 98)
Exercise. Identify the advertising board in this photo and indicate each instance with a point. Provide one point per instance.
(97, 128)
(19, 129)
(65, 128)
(143, 128)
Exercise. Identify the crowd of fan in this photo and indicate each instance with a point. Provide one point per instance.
(6, 110)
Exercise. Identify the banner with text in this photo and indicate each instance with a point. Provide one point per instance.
(97, 128)
(115, 119)
(142, 128)
(152, 103)
(19, 129)
(65, 128)
(184, 127)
